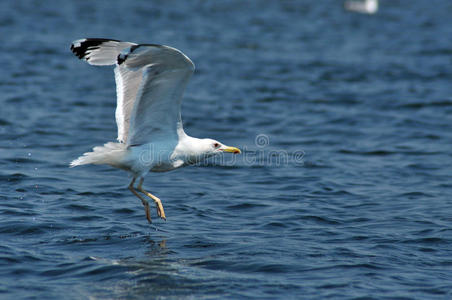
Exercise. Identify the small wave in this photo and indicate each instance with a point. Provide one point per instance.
(320, 220)
(22, 228)
(87, 218)
(359, 266)
(388, 152)
(15, 177)
(23, 160)
(368, 153)
(124, 211)
(275, 224)
(79, 207)
(419, 105)
(243, 206)
(4, 122)
(427, 241)
(415, 195)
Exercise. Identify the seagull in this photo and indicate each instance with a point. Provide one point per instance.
(364, 7)
(150, 81)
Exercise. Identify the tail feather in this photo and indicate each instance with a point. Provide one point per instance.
(109, 154)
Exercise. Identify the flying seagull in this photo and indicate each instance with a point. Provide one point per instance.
(364, 6)
(150, 81)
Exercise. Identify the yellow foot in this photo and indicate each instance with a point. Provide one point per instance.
(158, 202)
(160, 210)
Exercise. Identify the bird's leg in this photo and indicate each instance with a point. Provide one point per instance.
(157, 201)
(144, 201)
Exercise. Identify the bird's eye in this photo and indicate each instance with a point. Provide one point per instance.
(216, 145)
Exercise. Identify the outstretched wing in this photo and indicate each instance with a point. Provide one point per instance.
(165, 73)
(150, 81)
(103, 52)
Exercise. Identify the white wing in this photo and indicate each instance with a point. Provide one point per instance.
(150, 81)
(102, 52)
(165, 73)
(127, 85)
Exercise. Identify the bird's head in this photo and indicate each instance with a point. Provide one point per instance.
(213, 147)
(196, 150)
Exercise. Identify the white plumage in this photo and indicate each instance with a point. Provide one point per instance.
(150, 81)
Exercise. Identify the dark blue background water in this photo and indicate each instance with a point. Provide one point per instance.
(366, 212)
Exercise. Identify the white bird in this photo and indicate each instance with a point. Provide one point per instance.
(150, 81)
(364, 7)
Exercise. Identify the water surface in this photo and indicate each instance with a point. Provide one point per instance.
(343, 189)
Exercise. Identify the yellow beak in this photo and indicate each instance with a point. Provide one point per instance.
(232, 150)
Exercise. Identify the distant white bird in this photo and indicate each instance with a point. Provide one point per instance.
(364, 6)
(150, 81)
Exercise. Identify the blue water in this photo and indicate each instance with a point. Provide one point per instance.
(343, 189)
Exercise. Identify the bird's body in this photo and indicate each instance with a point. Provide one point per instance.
(364, 6)
(150, 81)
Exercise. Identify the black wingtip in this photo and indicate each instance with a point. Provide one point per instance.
(123, 56)
(80, 47)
